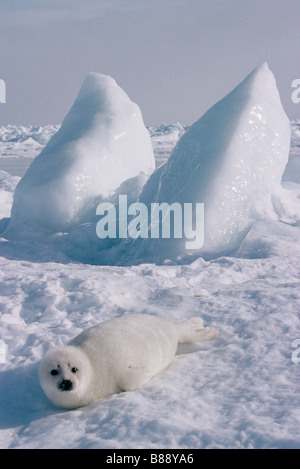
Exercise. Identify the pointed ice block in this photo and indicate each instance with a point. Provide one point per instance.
(102, 142)
(232, 160)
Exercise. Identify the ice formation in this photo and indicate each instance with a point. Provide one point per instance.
(102, 142)
(232, 160)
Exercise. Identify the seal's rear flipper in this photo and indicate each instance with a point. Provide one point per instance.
(193, 330)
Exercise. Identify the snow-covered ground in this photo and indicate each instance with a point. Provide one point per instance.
(240, 390)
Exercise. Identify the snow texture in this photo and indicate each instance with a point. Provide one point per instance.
(240, 390)
(102, 142)
(20, 141)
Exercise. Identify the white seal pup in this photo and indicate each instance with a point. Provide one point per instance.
(118, 355)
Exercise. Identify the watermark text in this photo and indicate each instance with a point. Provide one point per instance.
(151, 458)
(296, 92)
(161, 220)
(2, 92)
(296, 353)
(2, 351)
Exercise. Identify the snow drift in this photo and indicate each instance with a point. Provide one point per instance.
(232, 160)
(102, 142)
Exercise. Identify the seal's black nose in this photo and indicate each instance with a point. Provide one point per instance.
(65, 385)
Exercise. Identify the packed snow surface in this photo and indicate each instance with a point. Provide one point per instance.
(240, 390)
(102, 142)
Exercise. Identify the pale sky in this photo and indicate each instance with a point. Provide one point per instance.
(174, 58)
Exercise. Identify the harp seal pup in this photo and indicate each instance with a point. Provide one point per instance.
(120, 354)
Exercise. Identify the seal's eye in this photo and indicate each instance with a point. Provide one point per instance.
(74, 370)
(53, 372)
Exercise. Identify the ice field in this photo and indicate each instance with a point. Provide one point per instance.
(240, 390)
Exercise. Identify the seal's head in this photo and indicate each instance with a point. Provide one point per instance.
(66, 376)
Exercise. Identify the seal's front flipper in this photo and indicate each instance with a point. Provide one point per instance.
(134, 377)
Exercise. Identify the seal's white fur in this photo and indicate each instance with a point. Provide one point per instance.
(117, 355)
